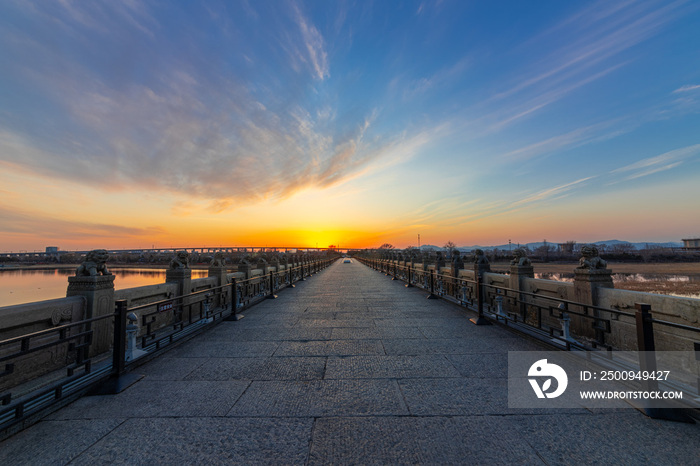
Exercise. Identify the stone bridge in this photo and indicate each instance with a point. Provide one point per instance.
(348, 367)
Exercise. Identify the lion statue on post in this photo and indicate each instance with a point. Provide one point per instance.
(95, 264)
(480, 257)
(181, 260)
(520, 258)
(590, 259)
(218, 260)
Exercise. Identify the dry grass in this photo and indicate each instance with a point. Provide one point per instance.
(665, 278)
(666, 268)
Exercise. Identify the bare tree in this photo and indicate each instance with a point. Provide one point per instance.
(449, 247)
(386, 246)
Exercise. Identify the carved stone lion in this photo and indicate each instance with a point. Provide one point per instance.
(591, 259)
(520, 258)
(480, 257)
(95, 264)
(181, 260)
(217, 260)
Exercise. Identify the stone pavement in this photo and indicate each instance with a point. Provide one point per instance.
(349, 367)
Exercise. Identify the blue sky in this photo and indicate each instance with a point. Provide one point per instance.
(131, 123)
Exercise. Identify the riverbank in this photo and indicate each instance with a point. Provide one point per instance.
(672, 278)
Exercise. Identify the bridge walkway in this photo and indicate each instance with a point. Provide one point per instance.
(348, 367)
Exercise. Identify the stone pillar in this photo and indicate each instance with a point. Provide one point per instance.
(457, 264)
(262, 265)
(439, 262)
(589, 276)
(518, 274)
(220, 272)
(481, 263)
(244, 266)
(98, 290)
(587, 282)
(182, 276)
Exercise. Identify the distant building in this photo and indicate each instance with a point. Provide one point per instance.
(691, 243)
(51, 250)
(567, 248)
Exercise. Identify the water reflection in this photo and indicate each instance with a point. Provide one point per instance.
(28, 285)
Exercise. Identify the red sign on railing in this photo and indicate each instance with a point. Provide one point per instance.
(163, 307)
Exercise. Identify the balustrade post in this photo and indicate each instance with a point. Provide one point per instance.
(132, 352)
(235, 300)
(272, 294)
(119, 380)
(408, 277)
(647, 363)
(291, 277)
(645, 343)
(480, 319)
(432, 285)
(119, 345)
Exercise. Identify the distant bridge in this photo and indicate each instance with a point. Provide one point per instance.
(52, 252)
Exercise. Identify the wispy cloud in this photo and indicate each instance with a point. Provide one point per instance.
(314, 45)
(556, 191)
(442, 77)
(687, 88)
(659, 163)
(602, 33)
(187, 129)
(573, 138)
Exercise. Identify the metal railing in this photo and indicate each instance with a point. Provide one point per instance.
(546, 317)
(161, 324)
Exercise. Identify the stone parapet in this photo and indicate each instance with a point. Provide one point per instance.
(98, 291)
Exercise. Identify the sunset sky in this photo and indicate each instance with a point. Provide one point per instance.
(129, 124)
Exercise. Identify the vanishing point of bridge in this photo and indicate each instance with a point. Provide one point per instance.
(348, 367)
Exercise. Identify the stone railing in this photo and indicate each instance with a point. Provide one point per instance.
(47, 346)
(590, 311)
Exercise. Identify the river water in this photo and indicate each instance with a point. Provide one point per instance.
(21, 286)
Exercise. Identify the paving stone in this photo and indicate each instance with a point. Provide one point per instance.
(158, 398)
(464, 329)
(203, 441)
(415, 322)
(375, 333)
(242, 333)
(416, 440)
(610, 438)
(170, 368)
(290, 368)
(54, 442)
(457, 396)
(329, 348)
(321, 398)
(483, 365)
(225, 349)
(394, 367)
(322, 323)
(454, 346)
